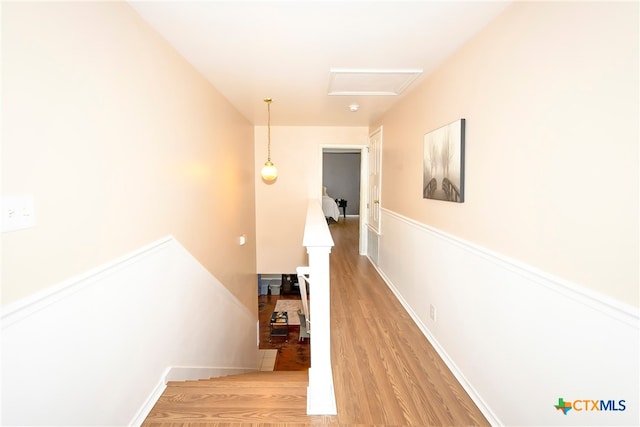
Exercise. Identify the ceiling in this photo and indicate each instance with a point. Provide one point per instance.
(286, 50)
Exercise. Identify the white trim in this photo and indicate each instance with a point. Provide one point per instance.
(181, 373)
(320, 393)
(492, 287)
(107, 307)
(603, 303)
(31, 304)
(321, 398)
(473, 394)
(392, 88)
(373, 230)
(148, 404)
(379, 130)
(316, 230)
(362, 149)
(191, 373)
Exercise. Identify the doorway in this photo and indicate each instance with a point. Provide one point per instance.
(343, 165)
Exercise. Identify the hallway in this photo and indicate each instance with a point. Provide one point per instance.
(385, 371)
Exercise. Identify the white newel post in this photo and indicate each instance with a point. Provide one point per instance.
(317, 239)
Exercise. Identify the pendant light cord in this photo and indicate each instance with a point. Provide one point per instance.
(268, 101)
(269, 130)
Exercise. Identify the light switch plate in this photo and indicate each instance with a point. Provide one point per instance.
(18, 212)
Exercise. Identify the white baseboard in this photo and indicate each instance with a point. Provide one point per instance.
(148, 404)
(471, 391)
(189, 373)
(321, 398)
(182, 373)
(507, 329)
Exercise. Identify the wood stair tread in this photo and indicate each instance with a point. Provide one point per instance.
(239, 415)
(281, 378)
(401, 383)
(256, 397)
(231, 396)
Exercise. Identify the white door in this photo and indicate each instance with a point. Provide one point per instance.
(373, 202)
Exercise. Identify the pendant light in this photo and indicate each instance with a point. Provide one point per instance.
(269, 171)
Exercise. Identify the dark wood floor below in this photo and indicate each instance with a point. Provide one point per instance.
(293, 355)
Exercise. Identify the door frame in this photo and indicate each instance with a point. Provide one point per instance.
(378, 226)
(364, 184)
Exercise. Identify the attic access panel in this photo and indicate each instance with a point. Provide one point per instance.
(371, 82)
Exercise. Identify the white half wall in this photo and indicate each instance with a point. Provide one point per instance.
(517, 338)
(97, 349)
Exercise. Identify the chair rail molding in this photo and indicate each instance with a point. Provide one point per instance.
(512, 315)
(112, 331)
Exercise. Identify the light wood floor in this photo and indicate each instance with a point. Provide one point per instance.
(385, 371)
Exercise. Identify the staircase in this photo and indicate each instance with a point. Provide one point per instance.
(258, 398)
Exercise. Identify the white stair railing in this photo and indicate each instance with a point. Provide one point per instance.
(303, 283)
(317, 239)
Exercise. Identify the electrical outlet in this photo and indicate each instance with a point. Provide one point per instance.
(18, 212)
(432, 312)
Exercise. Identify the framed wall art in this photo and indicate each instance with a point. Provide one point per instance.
(443, 168)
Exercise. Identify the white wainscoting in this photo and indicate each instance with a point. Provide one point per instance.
(373, 239)
(97, 349)
(515, 337)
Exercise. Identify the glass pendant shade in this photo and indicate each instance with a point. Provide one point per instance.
(269, 171)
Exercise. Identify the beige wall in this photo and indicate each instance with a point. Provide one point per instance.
(121, 142)
(550, 94)
(281, 207)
